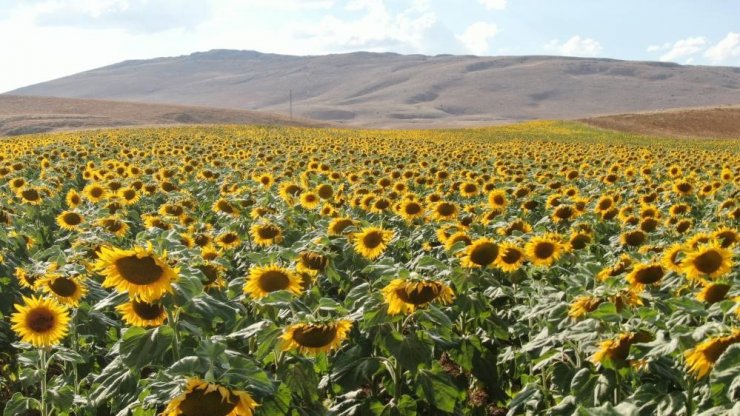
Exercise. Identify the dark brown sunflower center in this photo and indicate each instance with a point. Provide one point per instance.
(200, 403)
(129, 194)
(313, 261)
(684, 187)
(40, 320)
(372, 239)
(140, 271)
(268, 232)
(649, 275)
(605, 204)
(579, 241)
(273, 280)
(210, 271)
(96, 192)
(544, 250)
(484, 254)
(224, 206)
(499, 200)
(30, 195)
(635, 238)
(146, 310)
(470, 188)
(445, 209)
(315, 336)
(72, 218)
(716, 292)
(464, 238)
(564, 212)
(423, 294)
(727, 238)
(229, 238)
(412, 209)
(339, 226)
(63, 287)
(708, 262)
(511, 256)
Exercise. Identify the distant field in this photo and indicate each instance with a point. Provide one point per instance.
(720, 122)
(26, 115)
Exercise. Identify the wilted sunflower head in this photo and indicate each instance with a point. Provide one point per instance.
(615, 351)
(582, 305)
(481, 253)
(404, 296)
(41, 322)
(201, 398)
(700, 359)
(263, 280)
(316, 337)
(138, 271)
(137, 312)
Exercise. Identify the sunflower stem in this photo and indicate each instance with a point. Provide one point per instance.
(690, 398)
(42, 370)
(75, 347)
(176, 340)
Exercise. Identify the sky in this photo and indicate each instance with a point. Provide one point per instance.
(42, 40)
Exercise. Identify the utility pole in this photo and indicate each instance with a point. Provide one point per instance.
(291, 104)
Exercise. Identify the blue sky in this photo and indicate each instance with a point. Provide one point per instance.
(47, 39)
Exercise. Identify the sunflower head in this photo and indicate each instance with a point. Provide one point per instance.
(708, 260)
(40, 322)
(371, 242)
(266, 234)
(315, 338)
(544, 250)
(404, 296)
(713, 292)
(311, 262)
(138, 271)
(263, 280)
(482, 253)
(645, 274)
(700, 359)
(338, 225)
(202, 398)
(137, 312)
(66, 290)
(510, 258)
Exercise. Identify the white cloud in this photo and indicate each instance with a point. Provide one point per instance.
(493, 4)
(476, 36)
(656, 48)
(727, 48)
(683, 48)
(575, 46)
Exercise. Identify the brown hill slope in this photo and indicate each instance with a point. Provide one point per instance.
(391, 90)
(25, 115)
(720, 122)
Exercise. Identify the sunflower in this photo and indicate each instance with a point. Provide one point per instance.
(497, 199)
(410, 210)
(32, 196)
(645, 274)
(202, 398)
(339, 224)
(404, 296)
(460, 236)
(371, 242)
(65, 290)
(315, 338)
(228, 240)
(700, 359)
(266, 234)
(583, 305)
(224, 207)
(709, 260)
(95, 193)
(617, 350)
(263, 280)
(633, 238)
(113, 225)
(727, 236)
(579, 240)
(564, 212)
(672, 257)
(137, 312)
(128, 195)
(481, 253)
(69, 220)
(138, 271)
(444, 210)
(544, 250)
(713, 292)
(40, 322)
(73, 199)
(510, 258)
(311, 263)
(213, 275)
(310, 200)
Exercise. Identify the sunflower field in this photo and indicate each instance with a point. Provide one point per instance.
(544, 268)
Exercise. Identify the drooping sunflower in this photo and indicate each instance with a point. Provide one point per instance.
(213, 275)
(40, 322)
(510, 258)
(113, 225)
(311, 262)
(65, 290)
(544, 250)
(137, 271)
(582, 305)
(700, 359)
(713, 292)
(617, 350)
(338, 225)
(371, 242)
(481, 253)
(137, 312)
(709, 260)
(404, 296)
(266, 234)
(315, 338)
(673, 257)
(201, 398)
(263, 280)
(645, 274)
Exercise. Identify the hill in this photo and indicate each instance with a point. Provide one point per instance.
(25, 115)
(392, 90)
